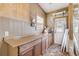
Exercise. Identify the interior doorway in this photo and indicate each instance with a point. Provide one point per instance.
(59, 29)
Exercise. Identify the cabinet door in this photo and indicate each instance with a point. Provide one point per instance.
(38, 49)
(46, 43)
(50, 40)
(43, 45)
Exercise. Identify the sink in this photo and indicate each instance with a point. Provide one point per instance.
(18, 37)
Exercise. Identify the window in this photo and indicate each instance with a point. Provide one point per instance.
(39, 23)
(60, 24)
(76, 23)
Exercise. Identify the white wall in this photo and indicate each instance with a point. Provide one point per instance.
(15, 27)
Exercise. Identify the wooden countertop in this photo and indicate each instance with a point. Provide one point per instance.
(15, 42)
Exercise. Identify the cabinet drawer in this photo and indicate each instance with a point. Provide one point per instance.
(29, 45)
(28, 52)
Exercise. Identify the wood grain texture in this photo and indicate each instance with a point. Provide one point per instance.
(20, 11)
(1, 46)
(17, 11)
(36, 47)
(70, 20)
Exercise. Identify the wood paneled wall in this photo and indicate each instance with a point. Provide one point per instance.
(19, 11)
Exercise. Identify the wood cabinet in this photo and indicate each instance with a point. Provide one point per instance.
(50, 40)
(0, 46)
(43, 45)
(33, 48)
(38, 49)
(27, 52)
(3, 48)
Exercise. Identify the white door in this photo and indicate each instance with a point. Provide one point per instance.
(59, 28)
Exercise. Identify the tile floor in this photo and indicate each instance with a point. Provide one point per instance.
(54, 50)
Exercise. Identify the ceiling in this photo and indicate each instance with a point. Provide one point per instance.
(48, 7)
